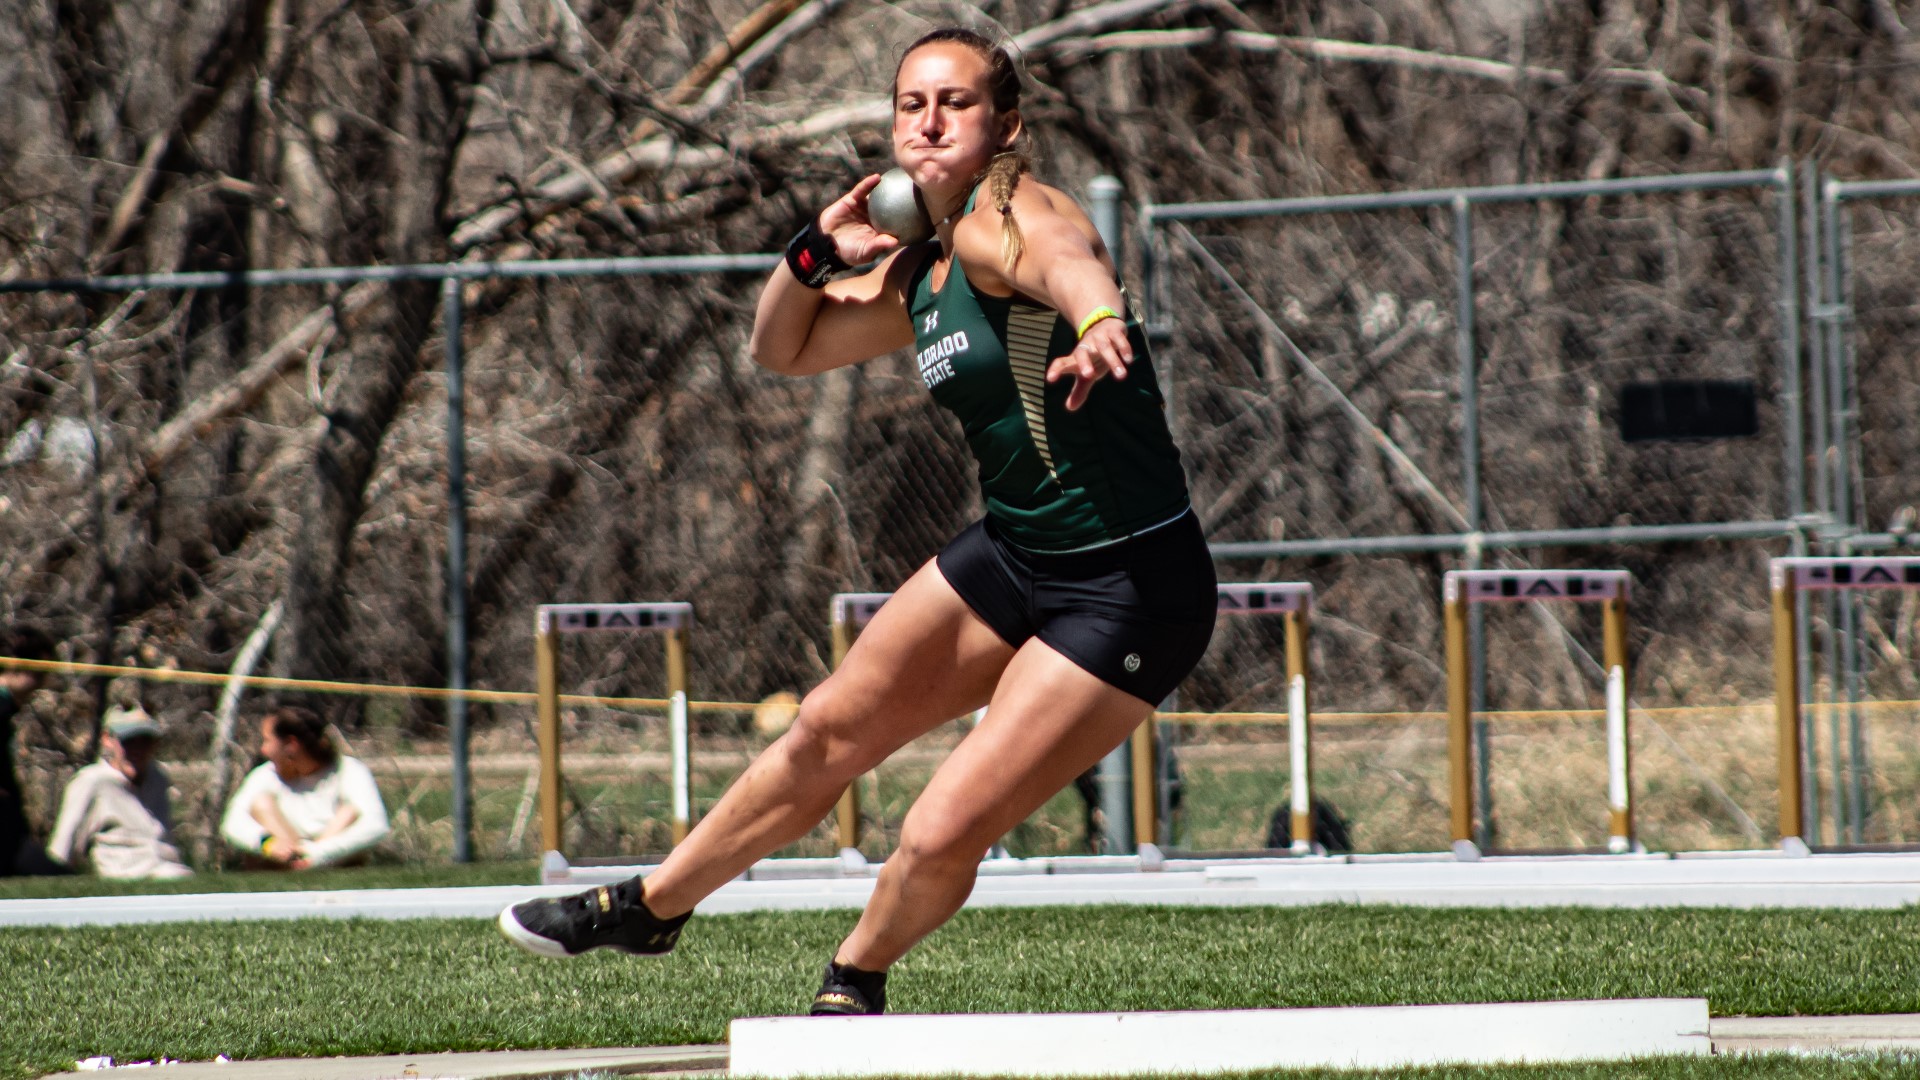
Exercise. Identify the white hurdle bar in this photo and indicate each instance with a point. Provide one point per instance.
(1462, 588)
(671, 620)
(1789, 577)
(1293, 602)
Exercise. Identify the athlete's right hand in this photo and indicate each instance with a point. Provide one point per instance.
(845, 219)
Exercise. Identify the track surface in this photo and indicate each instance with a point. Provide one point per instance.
(1739, 880)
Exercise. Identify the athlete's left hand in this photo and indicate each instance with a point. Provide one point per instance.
(1104, 352)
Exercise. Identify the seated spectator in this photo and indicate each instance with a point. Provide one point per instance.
(19, 854)
(116, 814)
(308, 805)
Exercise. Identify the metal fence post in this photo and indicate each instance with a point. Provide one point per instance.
(450, 313)
(1115, 771)
(1794, 453)
(1843, 682)
(1470, 485)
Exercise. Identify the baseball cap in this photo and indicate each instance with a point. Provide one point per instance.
(127, 722)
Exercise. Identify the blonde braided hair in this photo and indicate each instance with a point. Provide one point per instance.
(1002, 177)
(1003, 84)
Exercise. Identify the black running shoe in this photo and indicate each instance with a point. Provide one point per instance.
(609, 917)
(849, 991)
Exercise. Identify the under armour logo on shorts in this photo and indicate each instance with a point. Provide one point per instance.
(1132, 661)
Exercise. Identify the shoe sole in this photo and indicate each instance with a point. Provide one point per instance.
(540, 946)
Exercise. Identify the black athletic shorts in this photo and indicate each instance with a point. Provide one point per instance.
(1136, 614)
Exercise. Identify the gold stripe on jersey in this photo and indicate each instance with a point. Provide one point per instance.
(1029, 338)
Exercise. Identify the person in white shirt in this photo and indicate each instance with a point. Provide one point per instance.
(116, 813)
(308, 805)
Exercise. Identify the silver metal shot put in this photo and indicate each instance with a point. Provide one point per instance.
(895, 208)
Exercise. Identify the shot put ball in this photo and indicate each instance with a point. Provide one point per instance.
(894, 208)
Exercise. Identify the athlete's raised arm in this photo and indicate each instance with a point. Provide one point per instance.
(1063, 265)
(805, 324)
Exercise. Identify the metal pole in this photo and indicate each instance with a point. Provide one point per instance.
(1115, 771)
(1794, 475)
(1853, 465)
(450, 313)
(1839, 461)
(1104, 193)
(1822, 417)
(1793, 416)
(1470, 484)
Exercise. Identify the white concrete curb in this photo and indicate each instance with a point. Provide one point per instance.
(1123, 1044)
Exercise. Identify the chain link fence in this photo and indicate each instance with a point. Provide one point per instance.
(173, 460)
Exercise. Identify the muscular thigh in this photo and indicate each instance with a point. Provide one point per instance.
(924, 659)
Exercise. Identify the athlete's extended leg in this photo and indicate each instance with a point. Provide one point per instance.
(923, 660)
(1049, 721)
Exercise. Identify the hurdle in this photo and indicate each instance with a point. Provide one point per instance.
(1292, 601)
(670, 620)
(1791, 576)
(1609, 588)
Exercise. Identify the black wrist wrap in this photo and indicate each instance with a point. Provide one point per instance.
(812, 256)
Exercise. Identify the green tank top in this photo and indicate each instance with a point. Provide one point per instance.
(1053, 480)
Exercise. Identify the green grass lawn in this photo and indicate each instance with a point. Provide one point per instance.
(314, 988)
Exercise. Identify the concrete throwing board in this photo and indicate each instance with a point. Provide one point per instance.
(1132, 1044)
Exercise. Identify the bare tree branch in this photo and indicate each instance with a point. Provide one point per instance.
(655, 152)
(238, 393)
(1360, 52)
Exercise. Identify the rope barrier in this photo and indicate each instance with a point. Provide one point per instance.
(326, 686)
(527, 697)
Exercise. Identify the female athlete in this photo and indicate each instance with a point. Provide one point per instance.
(1080, 601)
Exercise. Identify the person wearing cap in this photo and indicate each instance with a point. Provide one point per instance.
(308, 805)
(116, 814)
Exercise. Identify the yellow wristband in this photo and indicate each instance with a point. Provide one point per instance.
(1094, 316)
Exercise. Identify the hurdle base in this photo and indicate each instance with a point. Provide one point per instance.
(1466, 851)
(1795, 848)
(1123, 1044)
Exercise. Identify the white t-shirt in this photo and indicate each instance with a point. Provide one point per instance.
(119, 827)
(309, 805)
